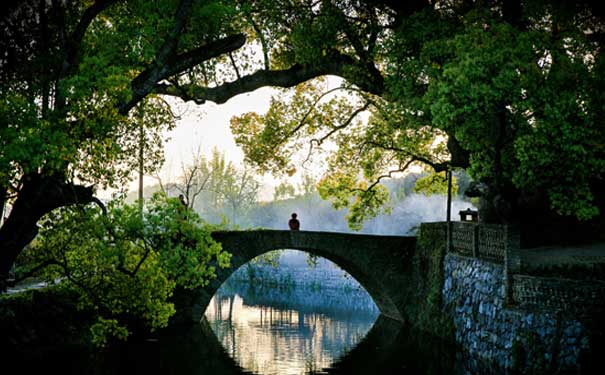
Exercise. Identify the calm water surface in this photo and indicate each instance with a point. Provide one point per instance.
(289, 331)
(320, 326)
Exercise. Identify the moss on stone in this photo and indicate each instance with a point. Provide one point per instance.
(426, 313)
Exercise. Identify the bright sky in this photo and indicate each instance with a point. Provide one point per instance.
(207, 126)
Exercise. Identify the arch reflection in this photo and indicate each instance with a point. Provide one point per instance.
(298, 327)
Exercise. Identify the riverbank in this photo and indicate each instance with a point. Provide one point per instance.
(497, 316)
(52, 337)
(44, 326)
(43, 331)
(519, 310)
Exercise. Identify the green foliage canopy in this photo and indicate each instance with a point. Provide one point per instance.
(513, 94)
(513, 91)
(125, 265)
(435, 183)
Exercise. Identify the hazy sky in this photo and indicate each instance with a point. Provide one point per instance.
(204, 127)
(207, 126)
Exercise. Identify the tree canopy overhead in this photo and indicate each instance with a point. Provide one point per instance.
(511, 91)
(516, 89)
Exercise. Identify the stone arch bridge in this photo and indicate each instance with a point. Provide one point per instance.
(379, 263)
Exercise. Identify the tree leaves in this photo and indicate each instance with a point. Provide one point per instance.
(522, 97)
(127, 264)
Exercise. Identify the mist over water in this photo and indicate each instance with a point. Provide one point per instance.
(316, 214)
(407, 209)
(413, 210)
(292, 316)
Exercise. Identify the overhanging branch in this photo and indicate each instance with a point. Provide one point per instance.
(76, 37)
(276, 78)
(437, 166)
(402, 168)
(203, 53)
(145, 82)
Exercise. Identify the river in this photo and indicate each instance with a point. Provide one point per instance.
(288, 331)
(298, 316)
(256, 330)
(313, 321)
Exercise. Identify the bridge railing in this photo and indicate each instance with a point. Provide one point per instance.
(500, 244)
(488, 242)
(484, 241)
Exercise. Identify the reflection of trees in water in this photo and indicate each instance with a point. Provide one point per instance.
(388, 348)
(294, 268)
(223, 325)
(263, 327)
(350, 304)
(392, 348)
(218, 302)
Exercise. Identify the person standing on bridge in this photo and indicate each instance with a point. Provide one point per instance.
(294, 224)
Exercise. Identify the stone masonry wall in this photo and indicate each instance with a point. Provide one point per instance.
(496, 337)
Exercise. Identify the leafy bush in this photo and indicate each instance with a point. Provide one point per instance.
(125, 264)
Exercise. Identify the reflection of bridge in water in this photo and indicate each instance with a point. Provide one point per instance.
(267, 333)
(378, 263)
(328, 301)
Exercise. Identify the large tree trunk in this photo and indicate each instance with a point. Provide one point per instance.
(38, 196)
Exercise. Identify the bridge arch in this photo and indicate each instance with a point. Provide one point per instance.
(376, 262)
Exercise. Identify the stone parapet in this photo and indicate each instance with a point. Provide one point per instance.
(498, 338)
(484, 241)
(463, 238)
(572, 297)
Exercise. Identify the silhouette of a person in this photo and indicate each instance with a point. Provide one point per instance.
(294, 224)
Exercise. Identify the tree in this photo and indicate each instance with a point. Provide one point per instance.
(308, 185)
(230, 189)
(194, 179)
(510, 91)
(489, 76)
(125, 265)
(283, 191)
(73, 71)
(435, 183)
(239, 191)
(216, 185)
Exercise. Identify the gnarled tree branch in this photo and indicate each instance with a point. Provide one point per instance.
(148, 79)
(402, 168)
(75, 40)
(437, 166)
(276, 78)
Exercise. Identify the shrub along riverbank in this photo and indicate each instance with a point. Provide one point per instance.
(46, 330)
(39, 325)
